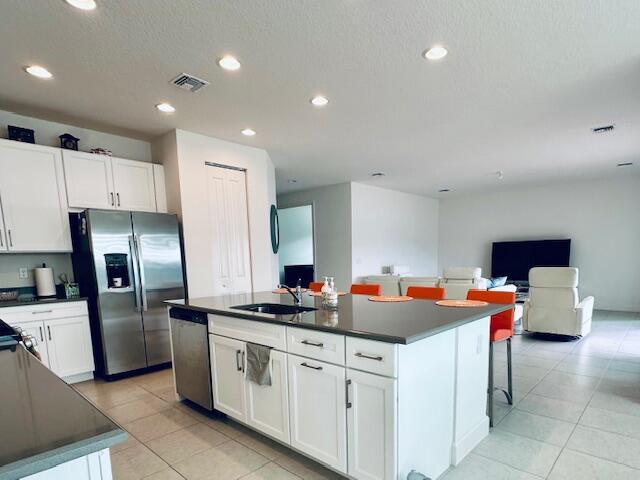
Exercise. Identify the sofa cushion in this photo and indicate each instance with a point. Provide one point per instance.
(462, 273)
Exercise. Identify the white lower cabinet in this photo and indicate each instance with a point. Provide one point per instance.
(228, 376)
(268, 405)
(371, 425)
(62, 333)
(263, 407)
(69, 346)
(318, 411)
(95, 466)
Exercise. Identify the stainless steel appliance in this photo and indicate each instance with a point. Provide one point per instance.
(127, 264)
(191, 363)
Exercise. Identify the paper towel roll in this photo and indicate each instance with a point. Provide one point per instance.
(45, 285)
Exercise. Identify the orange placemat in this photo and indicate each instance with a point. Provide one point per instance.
(319, 294)
(390, 298)
(284, 290)
(461, 303)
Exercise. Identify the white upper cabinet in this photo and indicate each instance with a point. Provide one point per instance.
(134, 186)
(99, 181)
(33, 199)
(161, 191)
(89, 180)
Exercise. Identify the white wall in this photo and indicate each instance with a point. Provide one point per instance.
(332, 226)
(184, 155)
(392, 228)
(47, 133)
(602, 218)
(296, 237)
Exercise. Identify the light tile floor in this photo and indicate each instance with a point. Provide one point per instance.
(576, 416)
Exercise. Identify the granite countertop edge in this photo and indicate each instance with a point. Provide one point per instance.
(276, 319)
(46, 460)
(18, 303)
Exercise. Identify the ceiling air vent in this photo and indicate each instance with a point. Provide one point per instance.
(604, 129)
(189, 82)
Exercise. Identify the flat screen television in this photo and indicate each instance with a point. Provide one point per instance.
(515, 259)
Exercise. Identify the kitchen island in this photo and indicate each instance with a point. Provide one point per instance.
(49, 431)
(371, 390)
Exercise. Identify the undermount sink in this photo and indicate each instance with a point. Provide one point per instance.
(274, 308)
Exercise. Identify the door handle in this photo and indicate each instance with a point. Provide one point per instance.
(143, 279)
(313, 344)
(41, 311)
(305, 364)
(368, 357)
(10, 239)
(118, 198)
(112, 202)
(136, 273)
(242, 361)
(238, 367)
(1, 244)
(41, 336)
(346, 390)
(49, 331)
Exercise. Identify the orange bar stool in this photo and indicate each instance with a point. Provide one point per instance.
(426, 293)
(366, 289)
(501, 329)
(315, 286)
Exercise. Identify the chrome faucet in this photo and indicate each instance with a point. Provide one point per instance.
(296, 294)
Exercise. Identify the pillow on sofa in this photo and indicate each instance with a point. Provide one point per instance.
(496, 282)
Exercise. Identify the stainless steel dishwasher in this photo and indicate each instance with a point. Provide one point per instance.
(191, 362)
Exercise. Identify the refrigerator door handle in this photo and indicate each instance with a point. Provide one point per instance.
(136, 272)
(143, 283)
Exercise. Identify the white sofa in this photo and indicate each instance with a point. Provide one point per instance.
(457, 281)
(553, 305)
(406, 282)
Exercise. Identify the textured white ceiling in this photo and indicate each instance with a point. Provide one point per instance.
(524, 82)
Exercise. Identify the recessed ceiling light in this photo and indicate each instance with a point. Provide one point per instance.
(82, 4)
(165, 108)
(319, 101)
(248, 132)
(38, 71)
(444, 190)
(435, 53)
(378, 174)
(625, 164)
(229, 62)
(292, 180)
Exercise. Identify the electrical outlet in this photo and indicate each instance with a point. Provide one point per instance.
(24, 273)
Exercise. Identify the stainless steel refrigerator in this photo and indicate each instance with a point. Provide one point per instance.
(127, 264)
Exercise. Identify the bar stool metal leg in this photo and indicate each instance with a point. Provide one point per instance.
(490, 386)
(509, 373)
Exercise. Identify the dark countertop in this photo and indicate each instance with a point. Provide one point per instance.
(401, 322)
(26, 303)
(45, 422)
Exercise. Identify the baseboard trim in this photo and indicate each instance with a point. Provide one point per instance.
(473, 437)
(79, 377)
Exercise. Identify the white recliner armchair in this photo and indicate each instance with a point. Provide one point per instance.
(457, 281)
(553, 305)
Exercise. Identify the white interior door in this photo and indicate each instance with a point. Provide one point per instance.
(89, 180)
(33, 198)
(229, 230)
(227, 372)
(69, 345)
(318, 410)
(371, 426)
(134, 185)
(268, 405)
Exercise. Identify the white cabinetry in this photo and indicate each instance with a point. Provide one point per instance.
(318, 410)
(32, 196)
(228, 377)
(371, 425)
(263, 407)
(160, 187)
(62, 333)
(100, 181)
(69, 346)
(95, 466)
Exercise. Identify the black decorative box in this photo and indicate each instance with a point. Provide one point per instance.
(20, 134)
